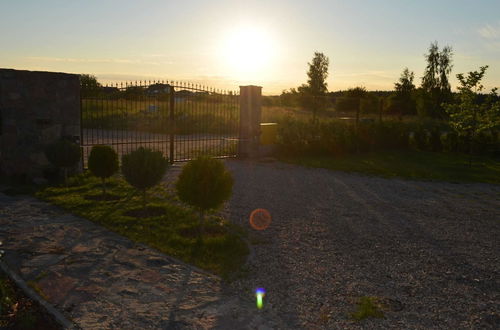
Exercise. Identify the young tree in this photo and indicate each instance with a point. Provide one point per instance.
(312, 94)
(143, 169)
(435, 83)
(468, 116)
(205, 184)
(103, 163)
(318, 72)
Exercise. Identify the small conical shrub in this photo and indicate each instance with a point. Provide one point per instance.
(103, 163)
(63, 154)
(143, 169)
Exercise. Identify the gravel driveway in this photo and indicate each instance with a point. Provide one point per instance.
(430, 251)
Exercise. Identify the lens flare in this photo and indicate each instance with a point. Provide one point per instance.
(259, 294)
(260, 219)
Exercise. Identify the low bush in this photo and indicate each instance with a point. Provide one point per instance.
(143, 169)
(63, 154)
(336, 137)
(103, 163)
(204, 184)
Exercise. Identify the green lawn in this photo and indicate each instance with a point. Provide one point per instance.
(412, 165)
(222, 250)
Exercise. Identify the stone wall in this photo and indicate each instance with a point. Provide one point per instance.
(36, 108)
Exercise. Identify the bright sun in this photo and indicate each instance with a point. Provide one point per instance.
(248, 52)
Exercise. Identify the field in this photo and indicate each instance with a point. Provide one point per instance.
(152, 115)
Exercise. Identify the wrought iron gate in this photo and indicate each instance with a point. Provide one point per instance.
(181, 120)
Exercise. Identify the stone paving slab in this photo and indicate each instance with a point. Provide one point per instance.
(99, 279)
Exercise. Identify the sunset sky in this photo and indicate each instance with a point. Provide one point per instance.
(225, 44)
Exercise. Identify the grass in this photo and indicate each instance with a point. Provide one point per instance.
(367, 307)
(279, 113)
(417, 165)
(222, 250)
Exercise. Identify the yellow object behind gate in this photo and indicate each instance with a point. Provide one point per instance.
(268, 133)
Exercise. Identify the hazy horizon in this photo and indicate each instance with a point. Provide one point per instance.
(224, 44)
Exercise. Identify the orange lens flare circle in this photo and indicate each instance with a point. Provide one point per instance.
(260, 219)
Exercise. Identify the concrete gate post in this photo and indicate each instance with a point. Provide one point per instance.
(250, 112)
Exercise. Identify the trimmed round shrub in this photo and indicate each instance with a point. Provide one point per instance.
(144, 168)
(63, 154)
(103, 163)
(204, 183)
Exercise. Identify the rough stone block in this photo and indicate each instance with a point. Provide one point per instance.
(51, 133)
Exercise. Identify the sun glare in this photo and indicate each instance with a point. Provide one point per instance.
(248, 52)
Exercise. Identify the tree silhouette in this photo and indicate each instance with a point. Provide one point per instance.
(404, 90)
(89, 85)
(312, 94)
(435, 83)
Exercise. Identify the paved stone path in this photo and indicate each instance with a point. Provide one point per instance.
(101, 280)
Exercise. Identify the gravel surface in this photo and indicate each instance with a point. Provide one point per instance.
(429, 251)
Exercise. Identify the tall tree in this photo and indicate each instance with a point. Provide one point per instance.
(312, 94)
(435, 83)
(404, 92)
(318, 72)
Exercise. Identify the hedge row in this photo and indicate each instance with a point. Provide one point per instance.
(333, 137)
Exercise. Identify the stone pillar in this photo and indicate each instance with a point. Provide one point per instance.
(250, 112)
(36, 108)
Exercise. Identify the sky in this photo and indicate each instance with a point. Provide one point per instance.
(225, 44)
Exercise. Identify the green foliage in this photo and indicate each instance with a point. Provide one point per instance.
(403, 101)
(435, 82)
(310, 96)
(143, 169)
(415, 165)
(125, 114)
(318, 72)
(367, 307)
(331, 137)
(103, 163)
(356, 92)
(222, 253)
(289, 97)
(89, 85)
(204, 183)
(346, 104)
(63, 153)
(369, 104)
(470, 118)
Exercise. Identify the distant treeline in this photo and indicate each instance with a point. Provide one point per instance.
(370, 102)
